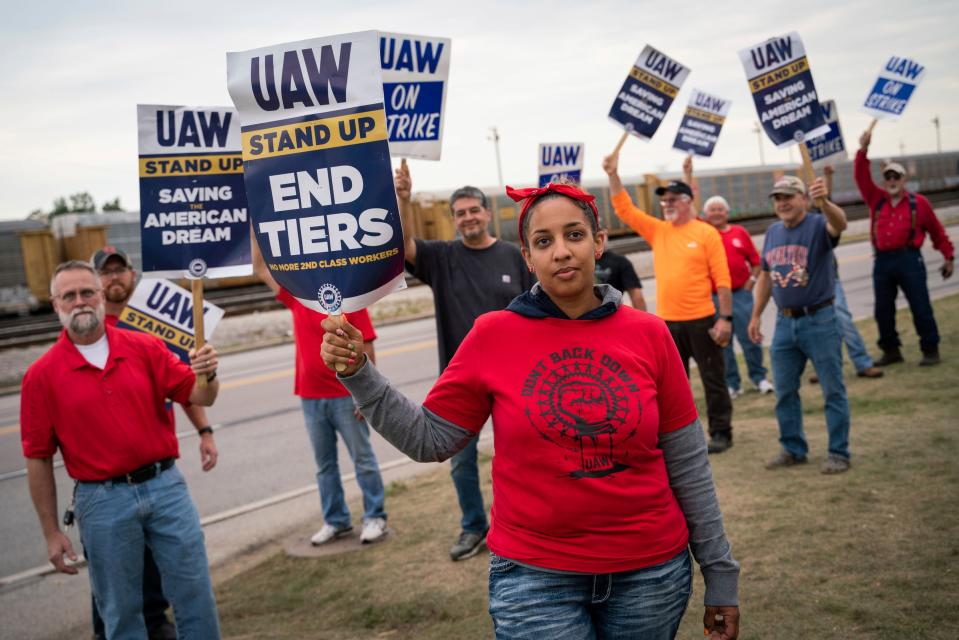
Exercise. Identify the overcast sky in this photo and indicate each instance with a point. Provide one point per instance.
(72, 73)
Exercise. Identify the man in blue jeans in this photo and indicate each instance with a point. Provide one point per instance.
(469, 276)
(98, 396)
(328, 411)
(798, 270)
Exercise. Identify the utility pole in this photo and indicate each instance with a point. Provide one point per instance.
(499, 167)
(935, 121)
(759, 136)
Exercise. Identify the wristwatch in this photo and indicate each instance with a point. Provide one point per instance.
(726, 318)
(204, 430)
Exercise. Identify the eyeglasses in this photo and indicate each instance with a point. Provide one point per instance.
(891, 176)
(71, 296)
(114, 273)
(668, 202)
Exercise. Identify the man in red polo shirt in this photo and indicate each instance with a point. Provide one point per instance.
(119, 279)
(898, 224)
(98, 395)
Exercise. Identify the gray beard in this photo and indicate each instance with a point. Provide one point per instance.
(82, 323)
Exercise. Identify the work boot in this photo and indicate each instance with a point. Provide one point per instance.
(890, 356)
(869, 372)
(930, 356)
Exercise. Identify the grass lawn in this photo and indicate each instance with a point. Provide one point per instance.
(873, 553)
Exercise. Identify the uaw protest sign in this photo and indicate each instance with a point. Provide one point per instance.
(890, 94)
(317, 168)
(560, 160)
(701, 124)
(193, 210)
(163, 309)
(415, 74)
(828, 148)
(783, 91)
(649, 90)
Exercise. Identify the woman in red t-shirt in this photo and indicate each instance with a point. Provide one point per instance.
(601, 481)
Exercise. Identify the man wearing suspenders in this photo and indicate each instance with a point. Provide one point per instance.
(899, 221)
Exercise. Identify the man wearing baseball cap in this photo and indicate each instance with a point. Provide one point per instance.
(689, 262)
(798, 271)
(898, 223)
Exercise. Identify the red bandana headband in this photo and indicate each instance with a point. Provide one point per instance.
(533, 194)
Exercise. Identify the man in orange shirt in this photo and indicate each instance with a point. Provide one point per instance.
(689, 262)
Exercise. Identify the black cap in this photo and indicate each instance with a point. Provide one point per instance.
(675, 186)
(100, 257)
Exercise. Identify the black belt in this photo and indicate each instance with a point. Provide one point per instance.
(892, 252)
(798, 312)
(144, 473)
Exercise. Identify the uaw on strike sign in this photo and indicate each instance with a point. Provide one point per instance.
(317, 168)
(415, 73)
(193, 212)
(783, 91)
(890, 94)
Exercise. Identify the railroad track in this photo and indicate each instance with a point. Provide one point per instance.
(42, 328)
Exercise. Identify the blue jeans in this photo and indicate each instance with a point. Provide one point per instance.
(813, 337)
(465, 474)
(752, 352)
(646, 604)
(903, 270)
(116, 521)
(325, 417)
(850, 334)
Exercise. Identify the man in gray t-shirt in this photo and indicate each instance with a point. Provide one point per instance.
(469, 276)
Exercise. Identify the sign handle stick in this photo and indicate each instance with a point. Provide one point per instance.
(403, 164)
(622, 141)
(197, 287)
(341, 366)
(872, 125)
(809, 174)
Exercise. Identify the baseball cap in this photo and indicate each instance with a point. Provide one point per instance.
(100, 257)
(675, 186)
(788, 185)
(894, 166)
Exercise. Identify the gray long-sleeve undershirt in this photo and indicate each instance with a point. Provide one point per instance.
(426, 437)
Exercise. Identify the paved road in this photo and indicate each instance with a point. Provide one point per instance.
(264, 450)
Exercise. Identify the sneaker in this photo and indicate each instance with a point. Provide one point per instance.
(870, 372)
(734, 393)
(892, 356)
(374, 530)
(765, 386)
(467, 546)
(929, 357)
(785, 459)
(719, 442)
(328, 533)
(835, 464)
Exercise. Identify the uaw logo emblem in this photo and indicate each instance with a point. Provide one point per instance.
(197, 268)
(581, 404)
(329, 298)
